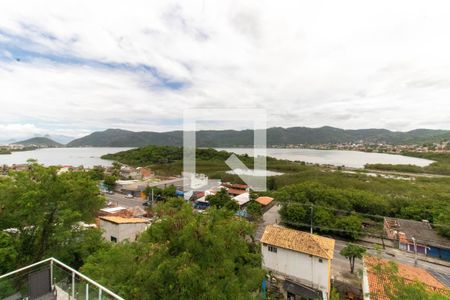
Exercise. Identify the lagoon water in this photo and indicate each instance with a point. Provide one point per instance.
(87, 157)
(353, 159)
(90, 156)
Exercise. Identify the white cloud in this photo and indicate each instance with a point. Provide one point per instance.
(349, 64)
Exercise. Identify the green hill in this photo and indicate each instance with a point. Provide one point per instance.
(40, 142)
(275, 136)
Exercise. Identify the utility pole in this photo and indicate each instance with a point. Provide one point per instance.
(312, 210)
(415, 251)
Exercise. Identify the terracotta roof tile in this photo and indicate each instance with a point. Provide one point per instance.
(264, 200)
(409, 273)
(299, 241)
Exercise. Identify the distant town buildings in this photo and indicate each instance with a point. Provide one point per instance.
(300, 259)
(442, 147)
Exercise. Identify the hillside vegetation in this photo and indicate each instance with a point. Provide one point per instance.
(275, 136)
(441, 166)
(40, 142)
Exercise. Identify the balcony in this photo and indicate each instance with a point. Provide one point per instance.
(51, 279)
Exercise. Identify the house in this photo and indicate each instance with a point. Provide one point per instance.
(110, 211)
(235, 189)
(145, 173)
(242, 199)
(117, 229)
(375, 282)
(265, 202)
(301, 259)
(427, 241)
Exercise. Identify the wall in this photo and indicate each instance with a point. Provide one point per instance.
(299, 266)
(121, 231)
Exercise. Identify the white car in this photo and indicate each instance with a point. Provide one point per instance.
(129, 196)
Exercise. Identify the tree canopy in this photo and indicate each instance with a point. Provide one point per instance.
(41, 213)
(222, 200)
(184, 255)
(352, 252)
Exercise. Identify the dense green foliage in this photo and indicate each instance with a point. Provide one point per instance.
(254, 209)
(335, 196)
(441, 166)
(4, 151)
(161, 193)
(395, 168)
(184, 255)
(110, 182)
(352, 252)
(97, 173)
(222, 200)
(41, 212)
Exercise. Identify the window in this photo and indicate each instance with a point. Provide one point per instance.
(272, 249)
(320, 260)
(113, 239)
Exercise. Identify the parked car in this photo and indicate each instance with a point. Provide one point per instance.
(129, 196)
(147, 203)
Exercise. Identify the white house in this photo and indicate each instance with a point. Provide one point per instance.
(242, 199)
(301, 259)
(117, 229)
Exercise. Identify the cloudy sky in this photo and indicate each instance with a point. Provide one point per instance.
(71, 67)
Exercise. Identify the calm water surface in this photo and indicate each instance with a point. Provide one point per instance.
(352, 159)
(87, 157)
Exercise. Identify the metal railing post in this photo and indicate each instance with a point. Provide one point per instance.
(87, 291)
(73, 285)
(51, 273)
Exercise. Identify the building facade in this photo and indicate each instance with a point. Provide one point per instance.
(301, 259)
(117, 229)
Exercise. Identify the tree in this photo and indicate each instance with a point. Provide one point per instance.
(442, 222)
(222, 200)
(116, 166)
(350, 225)
(185, 255)
(43, 211)
(110, 182)
(97, 173)
(8, 252)
(254, 209)
(161, 194)
(293, 214)
(352, 252)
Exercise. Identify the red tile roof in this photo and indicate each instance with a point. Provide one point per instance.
(264, 200)
(377, 282)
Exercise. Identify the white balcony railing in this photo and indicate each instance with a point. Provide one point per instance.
(53, 280)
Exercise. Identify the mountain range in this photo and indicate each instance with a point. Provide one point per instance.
(276, 136)
(40, 142)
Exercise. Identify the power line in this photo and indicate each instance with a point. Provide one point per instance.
(354, 212)
(379, 235)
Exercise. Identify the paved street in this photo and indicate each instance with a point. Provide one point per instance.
(121, 200)
(271, 216)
